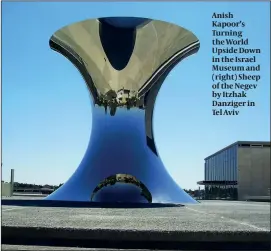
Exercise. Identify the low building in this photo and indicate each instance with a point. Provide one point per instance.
(239, 171)
(6, 189)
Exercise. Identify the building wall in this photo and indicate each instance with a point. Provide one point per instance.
(222, 166)
(6, 191)
(253, 171)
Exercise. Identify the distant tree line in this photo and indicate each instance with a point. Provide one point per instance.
(34, 186)
(109, 181)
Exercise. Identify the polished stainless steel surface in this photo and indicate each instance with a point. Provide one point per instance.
(124, 62)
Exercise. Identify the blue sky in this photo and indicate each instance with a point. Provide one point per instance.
(46, 107)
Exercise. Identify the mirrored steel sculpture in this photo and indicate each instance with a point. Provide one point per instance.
(124, 62)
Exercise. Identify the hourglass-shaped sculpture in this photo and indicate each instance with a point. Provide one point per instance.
(124, 62)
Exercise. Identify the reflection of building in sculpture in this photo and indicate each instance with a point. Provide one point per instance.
(124, 62)
(122, 95)
(113, 100)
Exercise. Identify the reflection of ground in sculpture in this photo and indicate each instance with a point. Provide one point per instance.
(124, 62)
(123, 178)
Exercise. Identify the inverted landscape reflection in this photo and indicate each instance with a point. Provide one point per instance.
(124, 62)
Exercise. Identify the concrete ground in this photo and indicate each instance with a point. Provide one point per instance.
(44, 248)
(18, 196)
(206, 222)
(248, 216)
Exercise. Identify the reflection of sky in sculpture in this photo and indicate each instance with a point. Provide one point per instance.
(123, 143)
(125, 22)
(119, 144)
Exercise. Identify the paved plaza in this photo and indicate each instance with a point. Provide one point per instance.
(208, 221)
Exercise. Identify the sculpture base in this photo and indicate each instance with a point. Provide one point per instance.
(118, 145)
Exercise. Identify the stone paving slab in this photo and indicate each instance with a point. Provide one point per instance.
(208, 216)
(217, 221)
(48, 248)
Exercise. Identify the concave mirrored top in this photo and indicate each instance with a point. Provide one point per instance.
(123, 53)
